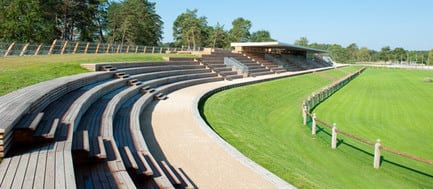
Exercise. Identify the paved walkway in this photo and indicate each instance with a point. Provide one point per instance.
(187, 142)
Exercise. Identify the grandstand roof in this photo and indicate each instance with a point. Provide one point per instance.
(277, 44)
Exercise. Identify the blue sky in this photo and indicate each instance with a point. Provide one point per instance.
(368, 23)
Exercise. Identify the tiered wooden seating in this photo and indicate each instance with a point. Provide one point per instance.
(215, 61)
(254, 69)
(74, 140)
(260, 58)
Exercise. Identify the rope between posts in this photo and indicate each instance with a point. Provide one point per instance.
(357, 138)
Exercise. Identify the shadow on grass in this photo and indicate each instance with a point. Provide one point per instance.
(341, 142)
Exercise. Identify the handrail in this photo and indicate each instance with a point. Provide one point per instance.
(241, 68)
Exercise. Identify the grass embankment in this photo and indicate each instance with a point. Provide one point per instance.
(18, 72)
(264, 122)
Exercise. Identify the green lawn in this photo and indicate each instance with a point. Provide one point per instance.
(264, 122)
(18, 72)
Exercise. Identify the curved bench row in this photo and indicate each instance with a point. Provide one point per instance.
(83, 132)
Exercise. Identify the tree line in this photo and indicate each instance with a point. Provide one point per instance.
(191, 31)
(136, 22)
(42, 21)
(352, 53)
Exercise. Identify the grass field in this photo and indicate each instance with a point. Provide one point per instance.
(18, 72)
(264, 122)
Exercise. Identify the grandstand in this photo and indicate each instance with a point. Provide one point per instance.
(85, 131)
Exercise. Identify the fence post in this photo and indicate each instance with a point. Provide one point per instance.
(127, 49)
(144, 50)
(52, 46)
(64, 47)
(108, 48)
(376, 163)
(313, 125)
(9, 49)
(304, 114)
(24, 49)
(76, 47)
(160, 50)
(38, 49)
(118, 48)
(97, 48)
(87, 47)
(136, 49)
(334, 136)
(153, 50)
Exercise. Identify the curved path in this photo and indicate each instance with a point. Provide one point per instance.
(187, 142)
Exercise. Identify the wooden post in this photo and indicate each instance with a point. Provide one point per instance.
(24, 49)
(313, 125)
(97, 48)
(127, 49)
(64, 47)
(376, 163)
(160, 50)
(87, 47)
(38, 49)
(9, 49)
(108, 48)
(144, 50)
(52, 46)
(118, 48)
(153, 50)
(334, 136)
(136, 49)
(304, 114)
(76, 47)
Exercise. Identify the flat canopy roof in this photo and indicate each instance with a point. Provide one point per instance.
(277, 44)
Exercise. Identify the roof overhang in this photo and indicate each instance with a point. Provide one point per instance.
(277, 44)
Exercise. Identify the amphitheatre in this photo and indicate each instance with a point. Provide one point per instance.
(242, 118)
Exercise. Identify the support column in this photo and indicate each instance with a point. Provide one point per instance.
(376, 163)
(334, 136)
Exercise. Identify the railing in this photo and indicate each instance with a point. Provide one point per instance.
(240, 68)
(74, 47)
(322, 95)
(276, 60)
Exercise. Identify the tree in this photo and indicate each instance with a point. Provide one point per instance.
(240, 31)
(24, 21)
(364, 55)
(260, 36)
(141, 24)
(430, 57)
(188, 29)
(400, 54)
(219, 37)
(385, 53)
(352, 51)
(303, 41)
(134, 22)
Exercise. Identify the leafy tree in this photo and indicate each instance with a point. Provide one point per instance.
(260, 36)
(385, 53)
(400, 54)
(338, 53)
(188, 29)
(141, 24)
(219, 37)
(303, 41)
(24, 21)
(240, 31)
(134, 22)
(364, 55)
(352, 51)
(430, 57)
